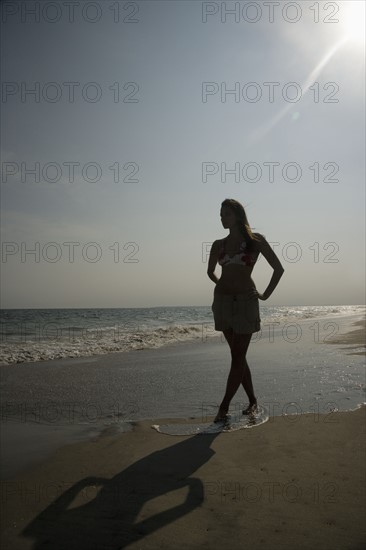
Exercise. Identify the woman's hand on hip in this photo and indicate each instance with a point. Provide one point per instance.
(256, 294)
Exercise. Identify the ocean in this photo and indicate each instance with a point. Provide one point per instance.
(29, 335)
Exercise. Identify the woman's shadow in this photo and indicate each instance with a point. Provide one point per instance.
(108, 521)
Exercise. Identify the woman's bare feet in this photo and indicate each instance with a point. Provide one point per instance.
(221, 415)
(251, 408)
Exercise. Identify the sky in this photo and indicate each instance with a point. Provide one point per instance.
(123, 130)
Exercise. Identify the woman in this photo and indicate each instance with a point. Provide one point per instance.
(235, 306)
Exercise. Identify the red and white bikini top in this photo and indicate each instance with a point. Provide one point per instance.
(242, 257)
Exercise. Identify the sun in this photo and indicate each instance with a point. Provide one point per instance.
(352, 15)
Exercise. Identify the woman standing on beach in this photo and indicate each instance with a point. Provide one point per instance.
(236, 306)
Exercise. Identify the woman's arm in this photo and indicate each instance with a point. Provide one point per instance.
(274, 262)
(213, 261)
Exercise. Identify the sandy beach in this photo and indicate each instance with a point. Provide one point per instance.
(296, 481)
(354, 339)
(284, 484)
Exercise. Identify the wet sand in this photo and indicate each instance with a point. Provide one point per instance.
(354, 339)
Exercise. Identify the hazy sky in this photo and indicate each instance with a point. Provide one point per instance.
(146, 92)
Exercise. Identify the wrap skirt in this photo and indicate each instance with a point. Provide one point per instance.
(240, 312)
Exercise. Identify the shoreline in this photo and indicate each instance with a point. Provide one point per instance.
(357, 337)
(299, 482)
(38, 420)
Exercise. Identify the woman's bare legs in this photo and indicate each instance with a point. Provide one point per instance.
(239, 372)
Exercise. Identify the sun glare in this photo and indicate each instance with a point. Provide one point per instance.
(353, 17)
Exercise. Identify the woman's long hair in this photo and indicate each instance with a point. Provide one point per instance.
(243, 224)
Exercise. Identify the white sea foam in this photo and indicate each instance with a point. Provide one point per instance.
(39, 335)
(99, 343)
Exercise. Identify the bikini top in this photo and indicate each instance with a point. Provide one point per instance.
(242, 257)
